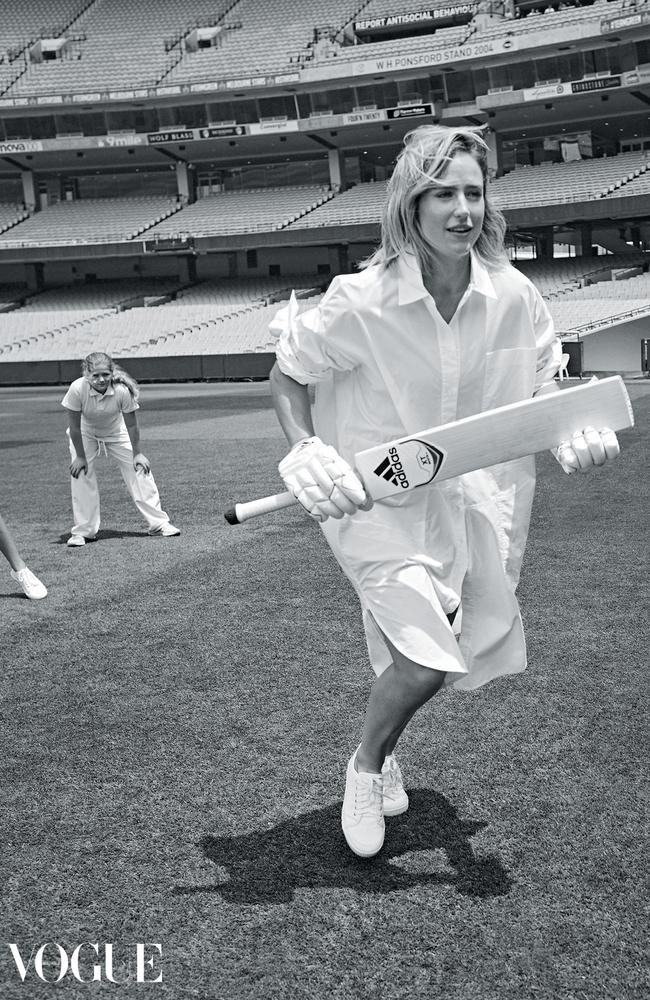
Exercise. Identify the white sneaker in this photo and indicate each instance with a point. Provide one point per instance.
(76, 540)
(165, 529)
(362, 816)
(396, 800)
(32, 586)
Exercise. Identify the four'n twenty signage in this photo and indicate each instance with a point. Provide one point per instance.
(415, 22)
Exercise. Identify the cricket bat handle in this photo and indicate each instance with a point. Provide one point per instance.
(241, 512)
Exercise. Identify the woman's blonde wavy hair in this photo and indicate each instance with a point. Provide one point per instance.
(98, 359)
(427, 152)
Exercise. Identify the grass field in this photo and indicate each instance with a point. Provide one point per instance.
(177, 715)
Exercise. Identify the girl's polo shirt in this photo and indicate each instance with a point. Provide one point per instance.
(101, 415)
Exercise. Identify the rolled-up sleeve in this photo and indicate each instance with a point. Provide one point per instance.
(549, 347)
(313, 344)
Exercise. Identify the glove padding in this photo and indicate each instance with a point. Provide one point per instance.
(322, 481)
(587, 448)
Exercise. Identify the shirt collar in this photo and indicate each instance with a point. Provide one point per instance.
(109, 392)
(410, 286)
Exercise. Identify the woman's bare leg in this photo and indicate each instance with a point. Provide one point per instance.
(394, 699)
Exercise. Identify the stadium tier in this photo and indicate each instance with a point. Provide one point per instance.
(224, 317)
(10, 215)
(89, 221)
(243, 211)
(108, 220)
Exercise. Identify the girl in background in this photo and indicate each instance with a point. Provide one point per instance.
(102, 406)
(31, 585)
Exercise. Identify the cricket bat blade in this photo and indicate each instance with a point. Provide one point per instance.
(477, 442)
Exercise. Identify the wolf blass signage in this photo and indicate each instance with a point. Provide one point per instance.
(88, 962)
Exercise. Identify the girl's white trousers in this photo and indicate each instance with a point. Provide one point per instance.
(85, 491)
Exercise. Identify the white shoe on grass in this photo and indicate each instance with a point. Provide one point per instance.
(30, 583)
(396, 800)
(165, 529)
(362, 816)
(75, 540)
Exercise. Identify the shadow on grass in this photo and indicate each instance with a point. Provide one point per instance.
(104, 535)
(309, 852)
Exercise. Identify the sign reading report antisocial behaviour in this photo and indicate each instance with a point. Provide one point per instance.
(418, 20)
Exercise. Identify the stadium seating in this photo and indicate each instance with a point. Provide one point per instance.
(112, 43)
(90, 220)
(215, 316)
(98, 295)
(248, 211)
(585, 313)
(548, 20)
(116, 46)
(565, 274)
(10, 214)
(557, 183)
(361, 203)
(270, 38)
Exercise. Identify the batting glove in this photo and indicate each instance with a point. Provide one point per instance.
(321, 480)
(587, 448)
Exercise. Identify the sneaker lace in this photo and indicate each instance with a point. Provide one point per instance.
(368, 797)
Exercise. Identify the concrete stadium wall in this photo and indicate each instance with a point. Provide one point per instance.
(183, 368)
(617, 349)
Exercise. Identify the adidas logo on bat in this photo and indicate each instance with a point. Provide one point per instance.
(392, 470)
(414, 463)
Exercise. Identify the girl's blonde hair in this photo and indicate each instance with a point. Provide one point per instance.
(98, 359)
(427, 152)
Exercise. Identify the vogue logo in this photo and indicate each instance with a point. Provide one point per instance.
(50, 962)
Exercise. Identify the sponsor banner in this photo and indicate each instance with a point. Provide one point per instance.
(545, 92)
(599, 83)
(118, 141)
(435, 17)
(217, 131)
(179, 135)
(86, 98)
(201, 87)
(502, 100)
(358, 117)
(625, 21)
(443, 56)
(260, 128)
(20, 146)
(411, 111)
(321, 121)
(170, 89)
(635, 76)
(245, 82)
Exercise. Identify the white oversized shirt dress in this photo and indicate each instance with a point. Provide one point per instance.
(385, 364)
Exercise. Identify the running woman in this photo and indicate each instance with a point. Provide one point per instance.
(101, 407)
(32, 586)
(437, 326)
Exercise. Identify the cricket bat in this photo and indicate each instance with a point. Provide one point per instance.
(476, 442)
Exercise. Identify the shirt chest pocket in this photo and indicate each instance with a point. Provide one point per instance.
(509, 376)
